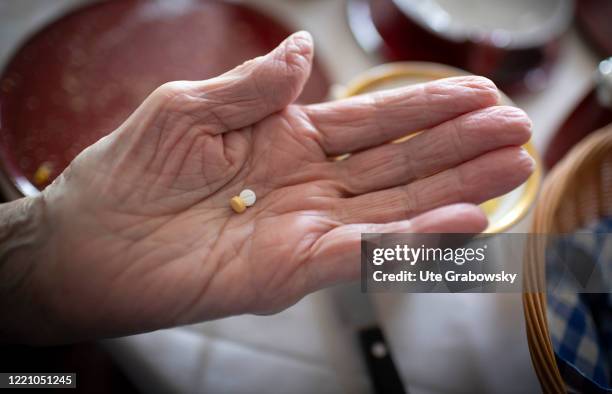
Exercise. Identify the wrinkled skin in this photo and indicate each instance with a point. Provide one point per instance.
(143, 236)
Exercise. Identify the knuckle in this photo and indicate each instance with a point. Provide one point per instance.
(170, 89)
(172, 96)
(408, 201)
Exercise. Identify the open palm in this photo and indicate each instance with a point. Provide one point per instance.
(144, 234)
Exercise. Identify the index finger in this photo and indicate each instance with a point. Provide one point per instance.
(372, 119)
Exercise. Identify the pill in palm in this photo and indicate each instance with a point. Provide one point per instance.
(237, 204)
(245, 199)
(248, 197)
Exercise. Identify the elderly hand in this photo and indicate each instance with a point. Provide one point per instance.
(141, 234)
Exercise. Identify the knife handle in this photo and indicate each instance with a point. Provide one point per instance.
(379, 362)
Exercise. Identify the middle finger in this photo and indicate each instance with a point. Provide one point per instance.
(437, 149)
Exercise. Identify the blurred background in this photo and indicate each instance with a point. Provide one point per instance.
(73, 70)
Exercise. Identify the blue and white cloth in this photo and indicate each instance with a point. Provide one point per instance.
(580, 308)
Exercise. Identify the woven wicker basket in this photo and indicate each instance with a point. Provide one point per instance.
(577, 192)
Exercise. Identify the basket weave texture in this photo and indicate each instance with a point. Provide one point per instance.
(576, 193)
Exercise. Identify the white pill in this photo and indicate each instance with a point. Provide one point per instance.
(248, 196)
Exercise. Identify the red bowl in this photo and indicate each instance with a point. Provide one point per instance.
(80, 77)
(517, 60)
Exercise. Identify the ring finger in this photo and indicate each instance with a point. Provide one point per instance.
(474, 181)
